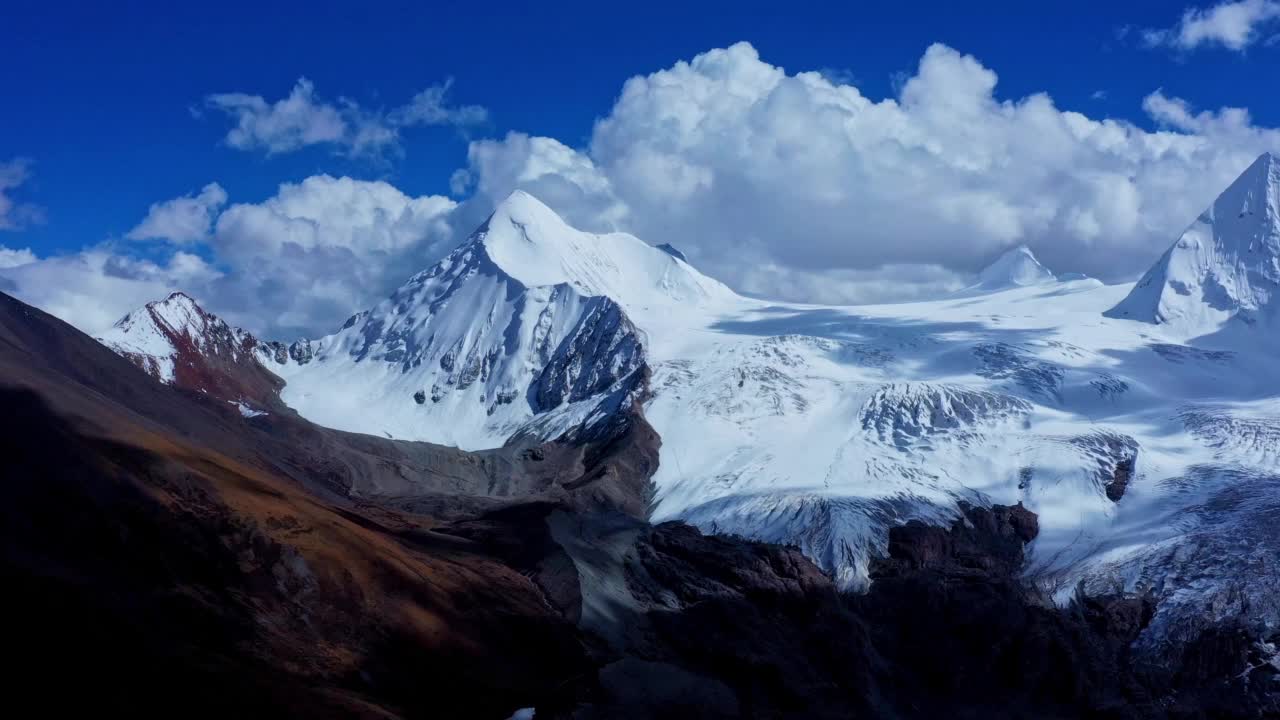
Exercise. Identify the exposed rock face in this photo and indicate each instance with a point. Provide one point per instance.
(729, 628)
(300, 351)
(602, 349)
(1120, 478)
(987, 542)
(671, 250)
(178, 342)
(1117, 458)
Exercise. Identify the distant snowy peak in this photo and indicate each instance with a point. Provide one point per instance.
(1015, 268)
(153, 335)
(180, 343)
(1225, 266)
(531, 243)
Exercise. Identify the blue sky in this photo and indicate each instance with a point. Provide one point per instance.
(107, 105)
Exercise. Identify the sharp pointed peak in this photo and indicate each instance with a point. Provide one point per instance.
(1016, 266)
(522, 201)
(1223, 265)
(175, 310)
(1255, 192)
(177, 296)
(1264, 171)
(1019, 249)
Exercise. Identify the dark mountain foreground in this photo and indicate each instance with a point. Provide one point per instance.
(165, 556)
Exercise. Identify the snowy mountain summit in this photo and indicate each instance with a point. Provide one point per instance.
(1015, 268)
(525, 330)
(1147, 458)
(178, 342)
(1225, 266)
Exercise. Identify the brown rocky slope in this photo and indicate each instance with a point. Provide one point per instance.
(163, 555)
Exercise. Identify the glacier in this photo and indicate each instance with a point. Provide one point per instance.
(1139, 421)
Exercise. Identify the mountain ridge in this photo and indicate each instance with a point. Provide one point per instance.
(824, 427)
(204, 564)
(1224, 267)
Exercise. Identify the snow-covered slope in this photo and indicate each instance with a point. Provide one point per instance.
(823, 426)
(523, 330)
(1225, 266)
(177, 342)
(147, 335)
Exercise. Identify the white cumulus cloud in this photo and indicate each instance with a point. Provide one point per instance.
(297, 263)
(181, 220)
(93, 288)
(296, 121)
(430, 107)
(13, 257)
(791, 185)
(757, 173)
(303, 118)
(321, 249)
(1233, 25)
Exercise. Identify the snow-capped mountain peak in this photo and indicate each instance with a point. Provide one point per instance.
(823, 426)
(1017, 267)
(523, 330)
(1225, 266)
(180, 343)
(156, 330)
(532, 244)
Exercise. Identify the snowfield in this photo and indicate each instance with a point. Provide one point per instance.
(1140, 422)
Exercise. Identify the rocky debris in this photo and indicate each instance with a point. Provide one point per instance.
(420, 397)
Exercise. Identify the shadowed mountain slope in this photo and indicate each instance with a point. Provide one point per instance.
(164, 555)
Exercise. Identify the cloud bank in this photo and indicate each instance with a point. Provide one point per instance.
(790, 185)
(757, 173)
(181, 220)
(297, 263)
